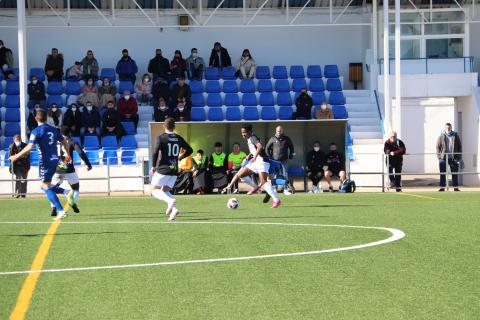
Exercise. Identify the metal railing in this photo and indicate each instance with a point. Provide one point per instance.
(428, 65)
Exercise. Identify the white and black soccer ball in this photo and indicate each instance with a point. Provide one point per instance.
(233, 203)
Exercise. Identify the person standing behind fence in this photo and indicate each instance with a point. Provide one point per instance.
(20, 167)
(394, 148)
(449, 149)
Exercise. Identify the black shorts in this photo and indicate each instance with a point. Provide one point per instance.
(335, 173)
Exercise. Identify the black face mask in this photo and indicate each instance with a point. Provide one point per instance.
(158, 55)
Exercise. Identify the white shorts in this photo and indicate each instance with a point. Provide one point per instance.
(259, 166)
(161, 180)
(71, 178)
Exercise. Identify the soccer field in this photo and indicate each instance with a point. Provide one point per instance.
(125, 244)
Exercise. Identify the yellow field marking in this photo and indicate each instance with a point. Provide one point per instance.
(25, 295)
(419, 196)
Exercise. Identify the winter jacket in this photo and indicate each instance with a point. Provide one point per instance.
(324, 114)
(280, 148)
(23, 162)
(160, 90)
(31, 122)
(129, 106)
(55, 64)
(90, 67)
(36, 92)
(159, 67)
(398, 149)
(90, 119)
(75, 72)
(73, 120)
(55, 119)
(111, 118)
(220, 59)
(6, 57)
(181, 115)
(196, 62)
(246, 63)
(181, 92)
(143, 87)
(126, 67)
(304, 106)
(160, 115)
(180, 64)
(442, 146)
(315, 161)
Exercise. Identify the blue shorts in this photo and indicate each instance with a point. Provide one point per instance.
(47, 170)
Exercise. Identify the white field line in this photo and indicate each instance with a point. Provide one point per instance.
(395, 236)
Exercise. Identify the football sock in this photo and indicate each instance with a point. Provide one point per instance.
(248, 180)
(57, 189)
(163, 196)
(76, 195)
(52, 196)
(271, 190)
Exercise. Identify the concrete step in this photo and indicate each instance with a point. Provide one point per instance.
(143, 130)
(367, 142)
(365, 135)
(366, 100)
(361, 107)
(362, 114)
(365, 128)
(142, 144)
(364, 121)
(357, 93)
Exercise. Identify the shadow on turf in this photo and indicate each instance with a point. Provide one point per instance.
(75, 233)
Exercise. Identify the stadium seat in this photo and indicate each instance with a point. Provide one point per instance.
(125, 85)
(55, 99)
(12, 115)
(250, 113)
(12, 87)
(38, 72)
(11, 129)
(73, 88)
(198, 100)
(128, 142)
(297, 71)
(299, 84)
(285, 113)
(228, 73)
(280, 72)
(295, 171)
(230, 86)
(266, 99)
(336, 98)
(212, 86)
(12, 101)
(34, 158)
(265, 85)
(284, 99)
(314, 71)
(77, 140)
(215, 114)
(334, 85)
(110, 157)
(108, 73)
(7, 142)
(1, 87)
(93, 157)
(249, 99)
(318, 98)
(282, 85)
(232, 100)
(196, 87)
(247, 86)
(54, 87)
(214, 100)
(109, 143)
(6, 162)
(16, 72)
(129, 127)
(316, 85)
(129, 157)
(339, 112)
(331, 71)
(233, 114)
(91, 143)
(76, 159)
(349, 139)
(198, 114)
(268, 113)
(212, 74)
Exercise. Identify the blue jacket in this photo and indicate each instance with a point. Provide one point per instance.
(127, 66)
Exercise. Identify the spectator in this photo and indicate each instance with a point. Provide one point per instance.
(20, 167)
(314, 166)
(6, 61)
(195, 66)
(54, 66)
(36, 92)
(217, 168)
(181, 113)
(90, 66)
(54, 116)
(75, 72)
(199, 172)
(394, 148)
(181, 90)
(162, 111)
(106, 92)
(128, 108)
(111, 122)
(235, 161)
(304, 105)
(159, 67)
(449, 149)
(324, 112)
(143, 89)
(73, 119)
(89, 93)
(280, 148)
(90, 121)
(219, 58)
(31, 122)
(336, 166)
(161, 90)
(184, 179)
(126, 68)
(178, 65)
(246, 65)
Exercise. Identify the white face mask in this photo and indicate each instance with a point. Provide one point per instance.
(146, 79)
(18, 143)
(316, 149)
(89, 108)
(324, 107)
(180, 108)
(163, 107)
(74, 109)
(54, 109)
(127, 97)
(194, 54)
(34, 81)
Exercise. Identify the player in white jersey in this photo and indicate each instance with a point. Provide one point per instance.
(257, 164)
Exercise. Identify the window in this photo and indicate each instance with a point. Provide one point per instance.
(409, 49)
(444, 48)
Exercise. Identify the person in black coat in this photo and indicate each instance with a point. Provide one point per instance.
(395, 149)
(36, 92)
(316, 159)
(162, 111)
(111, 122)
(90, 121)
(31, 122)
(54, 66)
(304, 105)
(159, 67)
(160, 90)
(219, 58)
(73, 119)
(20, 167)
(181, 91)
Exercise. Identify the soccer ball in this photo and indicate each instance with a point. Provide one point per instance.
(232, 203)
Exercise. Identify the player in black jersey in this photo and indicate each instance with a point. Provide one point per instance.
(164, 172)
(66, 170)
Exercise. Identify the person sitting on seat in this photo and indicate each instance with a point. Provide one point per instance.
(106, 92)
(90, 121)
(162, 111)
(199, 169)
(36, 92)
(324, 112)
(75, 72)
(304, 105)
(73, 119)
(336, 166)
(184, 179)
(217, 168)
(128, 108)
(235, 161)
(54, 116)
(246, 65)
(314, 166)
(181, 113)
(143, 89)
(89, 93)
(111, 123)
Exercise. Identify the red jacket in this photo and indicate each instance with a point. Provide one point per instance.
(127, 107)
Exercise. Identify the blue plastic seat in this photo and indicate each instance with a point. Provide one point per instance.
(77, 140)
(282, 85)
(76, 159)
(214, 100)
(12, 101)
(125, 85)
(299, 84)
(316, 85)
(268, 113)
(334, 85)
(198, 100)
(247, 86)
(196, 86)
(249, 100)
(285, 113)
(232, 100)
(73, 88)
(297, 71)
(250, 113)
(212, 86)
(230, 86)
(38, 72)
(129, 127)
(284, 99)
(198, 114)
(91, 143)
(280, 72)
(215, 114)
(110, 157)
(55, 87)
(262, 72)
(340, 112)
(108, 73)
(93, 157)
(109, 143)
(128, 142)
(212, 74)
(129, 157)
(34, 158)
(314, 71)
(12, 115)
(349, 139)
(11, 129)
(233, 114)
(12, 87)
(55, 99)
(1, 87)
(265, 85)
(296, 171)
(228, 73)
(336, 98)
(266, 99)
(331, 71)
(8, 141)
(318, 98)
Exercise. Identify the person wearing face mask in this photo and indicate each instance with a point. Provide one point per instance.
(336, 166)
(90, 120)
(89, 93)
(6, 60)
(75, 72)
(159, 67)
(394, 148)
(217, 168)
(304, 105)
(324, 112)
(31, 122)
(280, 148)
(54, 116)
(162, 111)
(181, 113)
(73, 119)
(219, 58)
(314, 166)
(449, 149)
(143, 89)
(54, 66)
(20, 167)
(126, 68)
(90, 66)
(111, 122)
(36, 92)
(160, 90)
(235, 160)
(106, 92)
(181, 91)
(246, 65)
(178, 65)
(195, 66)
(128, 108)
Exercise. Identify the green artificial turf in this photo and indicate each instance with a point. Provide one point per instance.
(432, 273)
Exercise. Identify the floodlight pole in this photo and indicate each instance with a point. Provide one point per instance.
(22, 65)
(386, 70)
(398, 93)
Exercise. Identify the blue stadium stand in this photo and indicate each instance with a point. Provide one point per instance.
(336, 98)
(265, 85)
(280, 72)
(214, 100)
(250, 113)
(12, 115)
(297, 71)
(232, 100)
(11, 129)
(55, 99)
(198, 100)
(125, 85)
(212, 86)
(284, 99)
(318, 98)
(268, 113)
(262, 72)
(55, 87)
(228, 73)
(129, 127)
(91, 143)
(93, 156)
(38, 72)
(334, 85)
(128, 157)
(266, 99)
(196, 86)
(12, 87)
(314, 71)
(212, 74)
(316, 85)
(285, 113)
(249, 99)
(339, 112)
(233, 114)
(230, 86)
(331, 71)
(108, 73)
(109, 143)
(110, 157)
(282, 85)
(128, 142)
(215, 114)
(198, 114)
(73, 88)
(299, 84)
(247, 86)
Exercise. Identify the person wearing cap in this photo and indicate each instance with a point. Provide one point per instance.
(126, 68)
(217, 168)
(159, 67)
(195, 66)
(20, 167)
(54, 66)
(304, 105)
(36, 92)
(178, 65)
(246, 65)
(219, 58)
